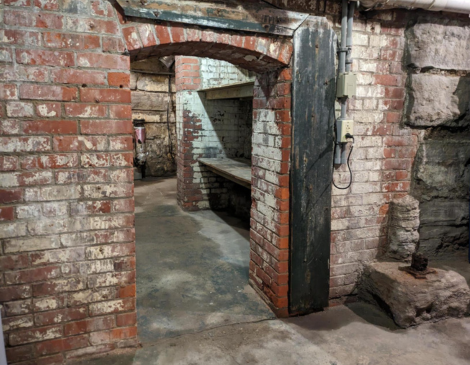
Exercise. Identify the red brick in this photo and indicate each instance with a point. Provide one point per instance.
(126, 319)
(106, 61)
(146, 35)
(61, 345)
(31, 275)
(123, 205)
(113, 44)
(85, 110)
(50, 126)
(123, 333)
(106, 127)
(71, 41)
(119, 79)
(59, 316)
(15, 292)
(8, 92)
(124, 159)
(101, 8)
(88, 325)
(93, 25)
(23, 73)
(105, 95)
(91, 207)
(121, 143)
(47, 4)
(69, 76)
(58, 286)
(124, 264)
(120, 111)
(131, 36)
(80, 143)
(127, 291)
(19, 353)
(163, 34)
(47, 92)
(19, 37)
(10, 196)
(45, 58)
(177, 33)
(13, 262)
(48, 110)
(113, 306)
(56, 161)
(34, 335)
(21, 18)
(7, 213)
(8, 163)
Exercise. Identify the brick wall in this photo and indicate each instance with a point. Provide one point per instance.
(66, 184)
(223, 128)
(155, 101)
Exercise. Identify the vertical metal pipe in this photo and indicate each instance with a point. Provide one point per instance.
(343, 50)
(352, 8)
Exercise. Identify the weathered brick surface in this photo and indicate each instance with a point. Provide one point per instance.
(66, 187)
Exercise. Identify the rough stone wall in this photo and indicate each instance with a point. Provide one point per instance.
(438, 102)
(67, 264)
(151, 96)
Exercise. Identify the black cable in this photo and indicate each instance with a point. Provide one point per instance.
(349, 167)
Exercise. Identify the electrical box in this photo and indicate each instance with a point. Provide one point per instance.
(346, 85)
(344, 127)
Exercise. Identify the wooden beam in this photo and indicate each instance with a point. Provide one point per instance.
(313, 115)
(232, 14)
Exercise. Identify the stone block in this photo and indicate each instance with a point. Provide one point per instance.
(440, 169)
(444, 44)
(413, 301)
(403, 233)
(437, 100)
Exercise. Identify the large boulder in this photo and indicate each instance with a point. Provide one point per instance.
(403, 227)
(412, 301)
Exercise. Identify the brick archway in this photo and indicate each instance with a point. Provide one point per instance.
(270, 58)
(252, 52)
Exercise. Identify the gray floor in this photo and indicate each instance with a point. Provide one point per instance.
(355, 335)
(193, 295)
(192, 268)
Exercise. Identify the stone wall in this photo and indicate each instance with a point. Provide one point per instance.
(438, 102)
(151, 94)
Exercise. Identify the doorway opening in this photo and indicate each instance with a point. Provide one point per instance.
(193, 264)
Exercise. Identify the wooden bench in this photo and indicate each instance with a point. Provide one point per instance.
(236, 170)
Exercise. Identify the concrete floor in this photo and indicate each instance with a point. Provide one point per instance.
(192, 268)
(193, 298)
(355, 335)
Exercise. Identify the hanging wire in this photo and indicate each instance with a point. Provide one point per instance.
(349, 166)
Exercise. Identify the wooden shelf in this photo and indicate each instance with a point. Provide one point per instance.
(237, 170)
(231, 91)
